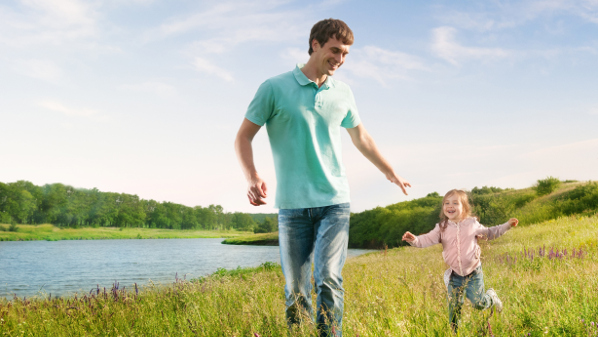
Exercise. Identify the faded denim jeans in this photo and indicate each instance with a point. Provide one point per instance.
(473, 287)
(319, 235)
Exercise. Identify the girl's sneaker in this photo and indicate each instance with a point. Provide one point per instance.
(496, 302)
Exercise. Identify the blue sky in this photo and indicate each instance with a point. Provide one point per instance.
(145, 96)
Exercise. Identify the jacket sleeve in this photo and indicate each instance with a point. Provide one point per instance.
(428, 239)
(495, 231)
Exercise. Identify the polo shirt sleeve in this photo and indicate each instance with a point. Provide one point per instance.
(261, 107)
(352, 119)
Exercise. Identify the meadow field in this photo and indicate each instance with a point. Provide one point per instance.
(546, 275)
(53, 233)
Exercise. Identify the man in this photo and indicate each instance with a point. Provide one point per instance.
(303, 111)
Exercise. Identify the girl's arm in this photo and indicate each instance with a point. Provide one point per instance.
(424, 240)
(496, 231)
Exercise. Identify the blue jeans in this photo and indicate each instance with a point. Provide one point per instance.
(319, 235)
(473, 287)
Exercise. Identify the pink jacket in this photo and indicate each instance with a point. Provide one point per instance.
(460, 248)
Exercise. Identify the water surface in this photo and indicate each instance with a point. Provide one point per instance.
(61, 268)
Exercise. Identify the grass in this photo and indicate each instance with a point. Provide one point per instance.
(262, 239)
(398, 292)
(53, 233)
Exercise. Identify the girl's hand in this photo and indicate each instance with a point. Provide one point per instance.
(408, 237)
(513, 222)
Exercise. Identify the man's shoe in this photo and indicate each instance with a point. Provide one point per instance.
(496, 302)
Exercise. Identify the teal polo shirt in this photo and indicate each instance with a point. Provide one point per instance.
(304, 124)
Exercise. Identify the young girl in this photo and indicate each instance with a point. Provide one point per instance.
(458, 232)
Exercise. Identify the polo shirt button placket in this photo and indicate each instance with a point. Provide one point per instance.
(317, 101)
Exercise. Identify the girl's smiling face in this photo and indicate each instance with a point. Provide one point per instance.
(452, 207)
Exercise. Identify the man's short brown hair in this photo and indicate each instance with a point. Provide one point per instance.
(330, 28)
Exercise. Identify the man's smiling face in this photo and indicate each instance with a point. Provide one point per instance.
(329, 56)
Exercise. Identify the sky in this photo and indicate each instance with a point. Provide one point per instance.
(145, 97)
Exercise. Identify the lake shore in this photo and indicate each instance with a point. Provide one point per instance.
(261, 239)
(53, 233)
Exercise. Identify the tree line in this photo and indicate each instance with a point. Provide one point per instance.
(62, 205)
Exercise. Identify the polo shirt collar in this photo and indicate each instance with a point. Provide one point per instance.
(303, 80)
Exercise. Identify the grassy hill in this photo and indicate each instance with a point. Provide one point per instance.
(384, 226)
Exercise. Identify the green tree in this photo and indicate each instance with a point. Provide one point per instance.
(5, 203)
(130, 211)
(55, 199)
(218, 215)
(242, 221)
(267, 226)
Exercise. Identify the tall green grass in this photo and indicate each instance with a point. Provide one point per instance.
(52, 233)
(398, 292)
(260, 239)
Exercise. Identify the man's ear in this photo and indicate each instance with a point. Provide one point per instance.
(315, 45)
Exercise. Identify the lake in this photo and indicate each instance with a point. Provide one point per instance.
(61, 268)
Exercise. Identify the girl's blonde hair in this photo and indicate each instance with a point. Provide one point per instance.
(463, 198)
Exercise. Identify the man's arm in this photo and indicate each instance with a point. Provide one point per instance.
(366, 145)
(256, 189)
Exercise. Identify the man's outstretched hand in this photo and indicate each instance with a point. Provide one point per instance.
(399, 181)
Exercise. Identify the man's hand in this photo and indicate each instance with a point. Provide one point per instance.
(513, 222)
(366, 145)
(408, 236)
(399, 181)
(256, 192)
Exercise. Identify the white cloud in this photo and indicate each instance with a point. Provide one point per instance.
(52, 22)
(586, 9)
(229, 16)
(493, 16)
(59, 107)
(446, 47)
(368, 62)
(475, 21)
(40, 69)
(207, 18)
(63, 13)
(381, 64)
(579, 156)
(295, 55)
(221, 27)
(160, 89)
(205, 66)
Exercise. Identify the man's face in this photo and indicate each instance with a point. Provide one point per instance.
(330, 56)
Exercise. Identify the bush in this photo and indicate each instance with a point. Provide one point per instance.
(2, 228)
(524, 199)
(13, 227)
(547, 186)
(582, 199)
(485, 190)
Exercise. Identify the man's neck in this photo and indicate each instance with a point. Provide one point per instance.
(311, 72)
